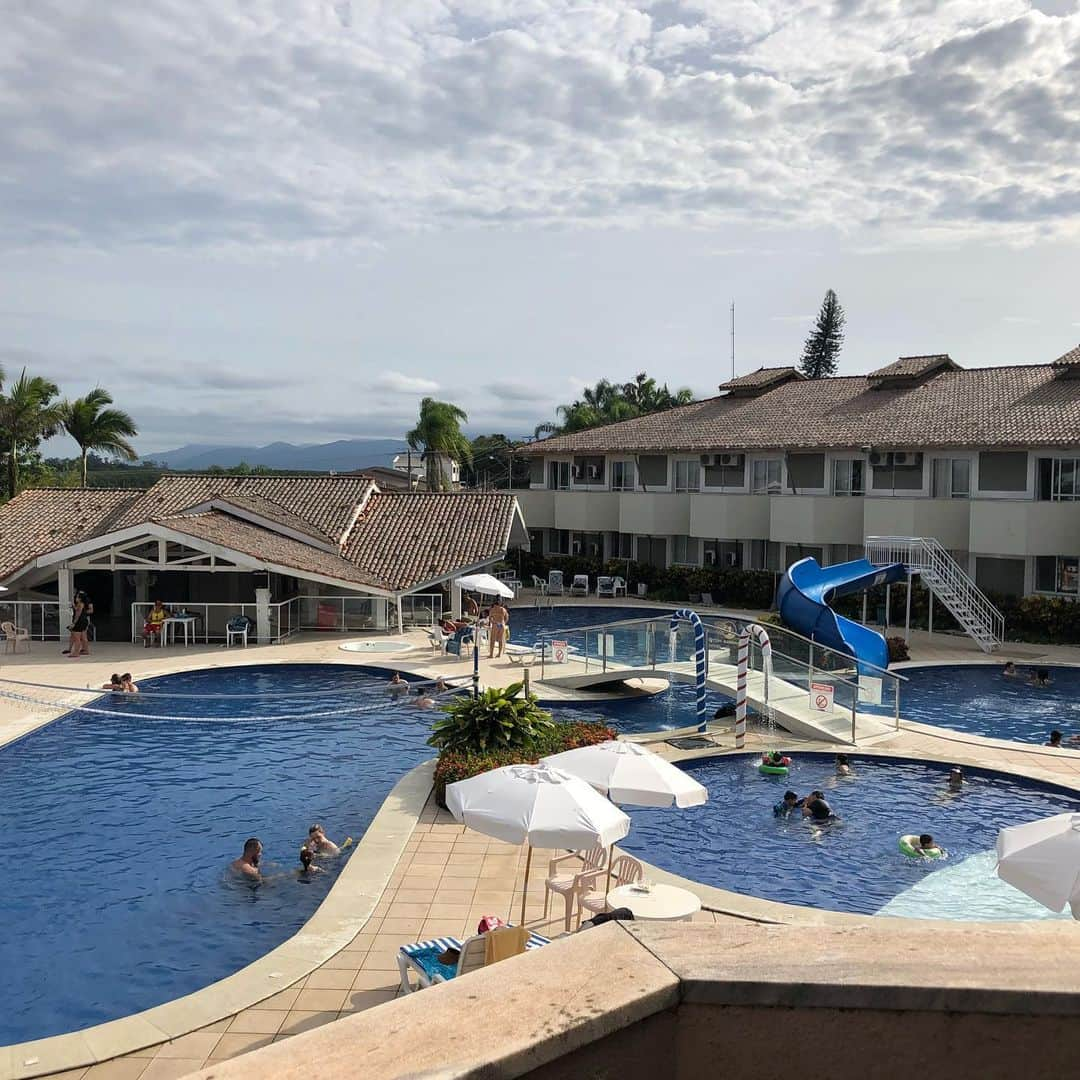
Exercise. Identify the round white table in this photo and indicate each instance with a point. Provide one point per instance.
(664, 903)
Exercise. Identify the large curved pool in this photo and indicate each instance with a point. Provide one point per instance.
(979, 699)
(734, 842)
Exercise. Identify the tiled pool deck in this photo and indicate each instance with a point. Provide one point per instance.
(446, 877)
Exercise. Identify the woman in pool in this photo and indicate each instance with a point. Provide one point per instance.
(842, 766)
(308, 869)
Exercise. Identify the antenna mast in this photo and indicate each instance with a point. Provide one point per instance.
(733, 339)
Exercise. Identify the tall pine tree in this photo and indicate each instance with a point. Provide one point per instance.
(824, 341)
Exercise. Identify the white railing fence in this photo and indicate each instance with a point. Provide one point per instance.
(40, 617)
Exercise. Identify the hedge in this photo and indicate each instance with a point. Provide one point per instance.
(453, 766)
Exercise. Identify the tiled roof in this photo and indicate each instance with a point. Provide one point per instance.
(243, 536)
(1069, 359)
(910, 366)
(973, 408)
(411, 537)
(35, 522)
(763, 377)
(326, 503)
(271, 511)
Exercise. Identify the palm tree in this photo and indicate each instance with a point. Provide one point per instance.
(27, 415)
(438, 432)
(95, 427)
(607, 403)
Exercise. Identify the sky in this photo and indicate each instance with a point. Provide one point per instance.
(292, 219)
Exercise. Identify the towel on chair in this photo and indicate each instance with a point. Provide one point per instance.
(505, 942)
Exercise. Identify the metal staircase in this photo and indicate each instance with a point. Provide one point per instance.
(944, 577)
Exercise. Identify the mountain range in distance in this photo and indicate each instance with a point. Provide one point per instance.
(343, 455)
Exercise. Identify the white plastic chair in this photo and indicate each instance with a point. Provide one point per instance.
(555, 583)
(565, 884)
(618, 585)
(540, 585)
(605, 586)
(592, 890)
(237, 635)
(14, 636)
(438, 639)
(580, 586)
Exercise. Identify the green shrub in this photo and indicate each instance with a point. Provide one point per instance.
(454, 765)
(495, 720)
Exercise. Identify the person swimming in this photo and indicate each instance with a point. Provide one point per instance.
(424, 700)
(842, 766)
(1040, 677)
(248, 863)
(115, 684)
(785, 807)
(1009, 671)
(127, 685)
(320, 844)
(307, 865)
(441, 686)
(1054, 740)
(926, 848)
(956, 778)
(397, 687)
(817, 809)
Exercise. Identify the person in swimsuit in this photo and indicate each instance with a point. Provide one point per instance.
(397, 686)
(308, 869)
(155, 624)
(115, 684)
(127, 685)
(248, 863)
(500, 620)
(319, 844)
(80, 624)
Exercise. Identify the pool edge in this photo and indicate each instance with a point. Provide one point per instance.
(334, 923)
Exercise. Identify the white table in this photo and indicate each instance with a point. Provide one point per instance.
(168, 628)
(663, 903)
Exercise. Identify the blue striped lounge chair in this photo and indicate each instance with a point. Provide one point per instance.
(422, 959)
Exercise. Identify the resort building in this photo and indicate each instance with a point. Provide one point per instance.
(777, 467)
(291, 553)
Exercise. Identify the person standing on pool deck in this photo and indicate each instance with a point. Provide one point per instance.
(248, 863)
(500, 617)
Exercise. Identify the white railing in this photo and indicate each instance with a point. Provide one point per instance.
(948, 581)
(40, 617)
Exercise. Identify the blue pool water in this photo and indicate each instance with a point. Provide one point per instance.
(734, 841)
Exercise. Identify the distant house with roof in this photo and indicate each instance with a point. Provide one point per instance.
(325, 552)
(778, 467)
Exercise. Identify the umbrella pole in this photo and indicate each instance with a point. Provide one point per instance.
(525, 887)
(607, 881)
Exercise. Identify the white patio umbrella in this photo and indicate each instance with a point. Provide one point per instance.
(630, 774)
(1042, 859)
(537, 805)
(486, 585)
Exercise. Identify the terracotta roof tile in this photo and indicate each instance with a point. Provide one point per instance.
(1069, 359)
(973, 408)
(763, 377)
(908, 366)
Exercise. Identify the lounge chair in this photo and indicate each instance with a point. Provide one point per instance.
(592, 890)
(522, 655)
(618, 585)
(540, 585)
(14, 636)
(564, 882)
(422, 959)
(605, 586)
(580, 586)
(555, 583)
(706, 599)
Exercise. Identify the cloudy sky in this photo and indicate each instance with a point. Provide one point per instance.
(289, 219)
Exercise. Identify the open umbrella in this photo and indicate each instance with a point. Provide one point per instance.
(537, 805)
(486, 585)
(630, 774)
(1042, 859)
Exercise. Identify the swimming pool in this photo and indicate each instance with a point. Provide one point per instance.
(979, 699)
(734, 842)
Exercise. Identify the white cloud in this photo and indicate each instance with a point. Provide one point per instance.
(301, 124)
(397, 383)
(1022, 320)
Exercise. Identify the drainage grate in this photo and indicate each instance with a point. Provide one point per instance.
(692, 742)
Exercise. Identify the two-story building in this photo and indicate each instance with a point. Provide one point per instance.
(778, 467)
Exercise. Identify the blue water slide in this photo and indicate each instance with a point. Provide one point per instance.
(806, 590)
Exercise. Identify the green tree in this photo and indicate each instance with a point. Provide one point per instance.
(28, 414)
(824, 341)
(94, 426)
(495, 720)
(608, 402)
(495, 464)
(438, 435)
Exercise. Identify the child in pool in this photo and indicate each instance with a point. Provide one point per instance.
(842, 766)
(925, 848)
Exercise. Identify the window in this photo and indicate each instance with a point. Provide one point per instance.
(559, 475)
(620, 545)
(952, 478)
(588, 471)
(723, 553)
(1059, 479)
(1003, 470)
(767, 477)
(687, 474)
(764, 555)
(806, 472)
(622, 476)
(842, 553)
(849, 476)
(587, 544)
(558, 541)
(1058, 574)
(684, 550)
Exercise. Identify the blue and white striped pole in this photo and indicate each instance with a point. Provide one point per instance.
(692, 617)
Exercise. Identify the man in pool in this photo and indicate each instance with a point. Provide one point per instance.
(319, 844)
(784, 808)
(956, 778)
(1054, 740)
(843, 767)
(817, 809)
(397, 686)
(248, 863)
(1009, 671)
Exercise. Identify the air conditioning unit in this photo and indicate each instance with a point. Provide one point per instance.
(732, 558)
(710, 558)
(910, 457)
(593, 472)
(880, 457)
(594, 549)
(575, 547)
(730, 461)
(577, 472)
(709, 460)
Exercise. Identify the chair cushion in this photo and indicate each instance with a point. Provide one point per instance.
(425, 954)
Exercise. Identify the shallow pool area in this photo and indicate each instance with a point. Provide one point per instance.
(735, 842)
(980, 700)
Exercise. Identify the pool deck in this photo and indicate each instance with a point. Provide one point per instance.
(437, 878)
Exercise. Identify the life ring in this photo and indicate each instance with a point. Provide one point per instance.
(772, 770)
(908, 848)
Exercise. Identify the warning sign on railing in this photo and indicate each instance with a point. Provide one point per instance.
(558, 652)
(869, 690)
(821, 696)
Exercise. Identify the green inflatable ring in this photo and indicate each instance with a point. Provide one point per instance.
(773, 770)
(908, 848)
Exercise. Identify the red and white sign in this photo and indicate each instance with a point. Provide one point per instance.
(558, 652)
(821, 696)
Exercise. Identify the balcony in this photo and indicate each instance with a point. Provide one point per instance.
(1023, 527)
(587, 511)
(537, 507)
(816, 519)
(729, 517)
(947, 520)
(659, 514)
